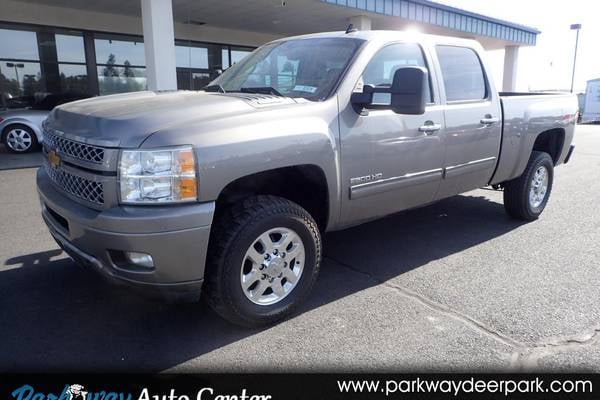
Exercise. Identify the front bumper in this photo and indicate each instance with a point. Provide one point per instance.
(175, 236)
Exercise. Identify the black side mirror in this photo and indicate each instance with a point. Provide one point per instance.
(407, 93)
(408, 90)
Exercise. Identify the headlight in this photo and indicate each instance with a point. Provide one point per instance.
(158, 176)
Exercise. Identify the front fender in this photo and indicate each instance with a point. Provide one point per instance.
(234, 147)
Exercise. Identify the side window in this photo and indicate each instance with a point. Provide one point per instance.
(381, 68)
(462, 73)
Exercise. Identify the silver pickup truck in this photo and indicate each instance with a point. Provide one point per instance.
(227, 191)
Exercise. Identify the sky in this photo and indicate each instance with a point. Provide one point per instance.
(548, 65)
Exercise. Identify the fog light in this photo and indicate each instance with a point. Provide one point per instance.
(141, 259)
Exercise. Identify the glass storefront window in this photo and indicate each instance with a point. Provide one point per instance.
(46, 60)
(20, 79)
(20, 45)
(73, 78)
(238, 54)
(112, 79)
(225, 58)
(110, 51)
(191, 57)
(69, 48)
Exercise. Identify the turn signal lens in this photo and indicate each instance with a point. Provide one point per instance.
(186, 162)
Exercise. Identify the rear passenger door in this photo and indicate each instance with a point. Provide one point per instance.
(472, 118)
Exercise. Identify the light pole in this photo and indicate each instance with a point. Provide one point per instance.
(16, 66)
(575, 27)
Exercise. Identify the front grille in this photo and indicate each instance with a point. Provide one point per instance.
(80, 151)
(77, 186)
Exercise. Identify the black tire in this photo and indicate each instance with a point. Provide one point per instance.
(33, 144)
(236, 230)
(516, 191)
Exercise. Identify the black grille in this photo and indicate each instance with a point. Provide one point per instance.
(77, 186)
(77, 150)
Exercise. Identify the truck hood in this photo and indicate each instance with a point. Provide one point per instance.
(126, 120)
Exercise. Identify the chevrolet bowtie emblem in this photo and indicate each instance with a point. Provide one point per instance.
(53, 159)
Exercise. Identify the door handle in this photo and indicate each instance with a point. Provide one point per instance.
(429, 128)
(488, 119)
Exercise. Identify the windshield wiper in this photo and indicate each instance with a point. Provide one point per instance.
(262, 90)
(214, 88)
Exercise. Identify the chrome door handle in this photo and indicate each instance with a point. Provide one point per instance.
(430, 128)
(489, 120)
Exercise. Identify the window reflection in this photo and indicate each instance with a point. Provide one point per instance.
(191, 57)
(238, 54)
(119, 51)
(21, 45)
(69, 48)
(73, 78)
(20, 78)
(113, 79)
(52, 60)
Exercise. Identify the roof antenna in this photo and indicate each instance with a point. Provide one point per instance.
(351, 29)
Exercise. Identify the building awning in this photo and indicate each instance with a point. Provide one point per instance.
(443, 16)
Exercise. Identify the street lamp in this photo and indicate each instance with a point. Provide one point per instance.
(15, 66)
(575, 27)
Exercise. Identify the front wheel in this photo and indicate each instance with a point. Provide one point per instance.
(526, 197)
(19, 139)
(263, 261)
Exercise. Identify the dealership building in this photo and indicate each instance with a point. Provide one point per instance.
(98, 47)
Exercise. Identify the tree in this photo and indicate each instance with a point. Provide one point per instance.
(128, 72)
(110, 70)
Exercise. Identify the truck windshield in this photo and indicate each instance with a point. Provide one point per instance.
(306, 68)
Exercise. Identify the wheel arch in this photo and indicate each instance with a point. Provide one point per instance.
(305, 185)
(551, 141)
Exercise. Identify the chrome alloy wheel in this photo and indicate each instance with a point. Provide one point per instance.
(272, 266)
(19, 139)
(539, 187)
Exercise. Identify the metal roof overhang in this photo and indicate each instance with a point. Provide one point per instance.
(443, 16)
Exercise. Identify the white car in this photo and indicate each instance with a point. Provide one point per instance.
(21, 128)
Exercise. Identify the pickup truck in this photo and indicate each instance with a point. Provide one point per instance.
(226, 192)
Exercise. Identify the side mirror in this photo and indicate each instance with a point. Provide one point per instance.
(407, 93)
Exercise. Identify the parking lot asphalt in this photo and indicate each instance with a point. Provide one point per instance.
(13, 161)
(453, 286)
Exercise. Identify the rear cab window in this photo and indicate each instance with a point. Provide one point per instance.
(462, 73)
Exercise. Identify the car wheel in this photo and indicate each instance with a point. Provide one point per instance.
(263, 261)
(526, 196)
(19, 139)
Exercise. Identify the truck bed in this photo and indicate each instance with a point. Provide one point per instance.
(525, 115)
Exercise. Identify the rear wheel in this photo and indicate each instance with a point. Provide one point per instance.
(264, 259)
(526, 197)
(19, 139)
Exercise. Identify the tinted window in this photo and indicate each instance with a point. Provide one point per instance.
(69, 48)
(20, 79)
(113, 79)
(238, 54)
(18, 45)
(191, 57)
(110, 51)
(462, 73)
(381, 68)
(73, 78)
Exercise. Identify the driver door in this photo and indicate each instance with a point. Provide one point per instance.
(390, 162)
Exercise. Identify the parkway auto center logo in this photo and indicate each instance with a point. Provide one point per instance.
(79, 392)
(69, 392)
